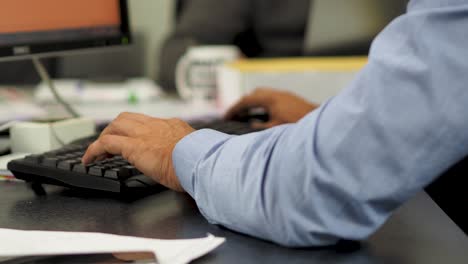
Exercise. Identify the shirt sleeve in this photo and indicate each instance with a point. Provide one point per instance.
(342, 170)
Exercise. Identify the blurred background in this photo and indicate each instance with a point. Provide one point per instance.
(284, 43)
(260, 28)
(151, 21)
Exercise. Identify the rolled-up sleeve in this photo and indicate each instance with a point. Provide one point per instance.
(342, 170)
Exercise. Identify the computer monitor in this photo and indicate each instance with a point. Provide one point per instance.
(338, 27)
(52, 27)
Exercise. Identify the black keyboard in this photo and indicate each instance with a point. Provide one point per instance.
(115, 175)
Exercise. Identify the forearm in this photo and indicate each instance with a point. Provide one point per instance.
(236, 165)
(343, 169)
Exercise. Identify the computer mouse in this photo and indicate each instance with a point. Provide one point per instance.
(250, 115)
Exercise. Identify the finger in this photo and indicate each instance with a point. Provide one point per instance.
(265, 125)
(123, 123)
(122, 127)
(109, 144)
(264, 90)
(253, 100)
(134, 116)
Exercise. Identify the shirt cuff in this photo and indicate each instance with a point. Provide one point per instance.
(190, 150)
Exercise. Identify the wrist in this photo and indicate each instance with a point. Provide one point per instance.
(189, 151)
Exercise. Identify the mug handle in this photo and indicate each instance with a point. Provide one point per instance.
(182, 86)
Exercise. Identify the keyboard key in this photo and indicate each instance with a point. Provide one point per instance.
(97, 170)
(81, 168)
(133, 170)
(112, 174)
(78, 153)
(50, 162)
(67, 164)
(124, 173)
(69, 156)
(34, 158)
(135, 184)
(130, 169)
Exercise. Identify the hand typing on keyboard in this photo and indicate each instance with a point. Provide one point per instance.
(63, 166)
(146, 142)
(135, 146)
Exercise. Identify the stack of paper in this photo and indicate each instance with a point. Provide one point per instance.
(316, 79)
(46, 243)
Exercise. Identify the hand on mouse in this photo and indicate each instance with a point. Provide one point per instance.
(282, 107)
(146, 142)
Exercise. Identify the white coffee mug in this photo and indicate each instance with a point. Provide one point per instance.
(196, 70)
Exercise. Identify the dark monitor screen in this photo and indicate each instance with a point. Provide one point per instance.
(30, 27)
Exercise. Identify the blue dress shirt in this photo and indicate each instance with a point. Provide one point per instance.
(341, 171)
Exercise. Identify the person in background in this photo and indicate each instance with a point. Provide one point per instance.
(260, 28)
(343, 168)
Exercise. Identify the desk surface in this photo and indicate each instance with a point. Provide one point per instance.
(419, 232)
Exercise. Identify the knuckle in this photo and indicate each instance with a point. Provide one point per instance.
(106, 139)
(130, 154)
(288, 93)
(177, 121)
(124, 115)
(93, 147)
(246, 97)
(120, 116)
(261, 90)
(109, 129)
(135, 130)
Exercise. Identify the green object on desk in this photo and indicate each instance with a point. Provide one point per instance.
(125, 40)
(132, 98)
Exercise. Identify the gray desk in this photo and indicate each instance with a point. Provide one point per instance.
(418, 233)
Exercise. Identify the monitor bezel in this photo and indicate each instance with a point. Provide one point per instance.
(54, 48)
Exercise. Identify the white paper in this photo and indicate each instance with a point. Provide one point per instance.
(20, 110)
(17, 243)
(76, 90)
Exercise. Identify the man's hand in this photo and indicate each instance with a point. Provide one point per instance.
(282, 107)
(146, 142)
